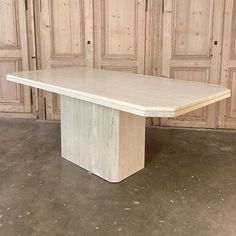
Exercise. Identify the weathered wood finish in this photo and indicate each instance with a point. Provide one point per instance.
(120, 35)
(120, 32)
(153, 49)
(66, 39)
(227, 108)
(191, 50)
(104, 141)
(14, 98)
(177, 39)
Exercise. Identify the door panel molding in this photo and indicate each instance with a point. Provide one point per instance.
(67, 28)
(15, 100)
(120, 34)
(119, 29)
(190, 30)
(227, 108)
(65, 35)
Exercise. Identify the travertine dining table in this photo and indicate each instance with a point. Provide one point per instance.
(103, 113)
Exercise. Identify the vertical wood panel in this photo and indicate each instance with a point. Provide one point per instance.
(65, 27)
(153, 47)
(120, 35)
(119, 28)
(68, 31)
(10, 92)
(190, 29)
(227, 108)
(8, 24)
(14, 98)
(66, 39)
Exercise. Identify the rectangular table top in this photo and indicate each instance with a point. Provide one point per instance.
(134, 93)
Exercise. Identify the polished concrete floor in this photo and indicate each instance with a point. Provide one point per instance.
(187, 188)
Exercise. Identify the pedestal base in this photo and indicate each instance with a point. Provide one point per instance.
(107, 142)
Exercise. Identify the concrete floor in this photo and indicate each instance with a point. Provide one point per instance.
(187, 188)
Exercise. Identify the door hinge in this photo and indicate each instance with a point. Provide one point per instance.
(146, 6)
(163, 6)
(26, 5)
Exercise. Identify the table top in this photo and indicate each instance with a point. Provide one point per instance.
(134, 93)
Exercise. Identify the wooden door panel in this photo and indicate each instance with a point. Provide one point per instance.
(66, 39)
(231, 15)
(227, 108)
(119, 32)
(67, 34)
(120, 35)
(190, 29)
(14, 98)
(231, 103)
(8, 24)
(10, 92)
(63, 31)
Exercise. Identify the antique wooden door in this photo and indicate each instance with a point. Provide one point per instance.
(227, 109)
(192, 50)
(15, 100)
(65, 36)
(120, 35)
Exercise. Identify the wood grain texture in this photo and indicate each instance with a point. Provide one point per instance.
(119, 35)
(137, 94)
(192, 39)
(14, 98)
(105, 141)
(65, 37)
(227, 108)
